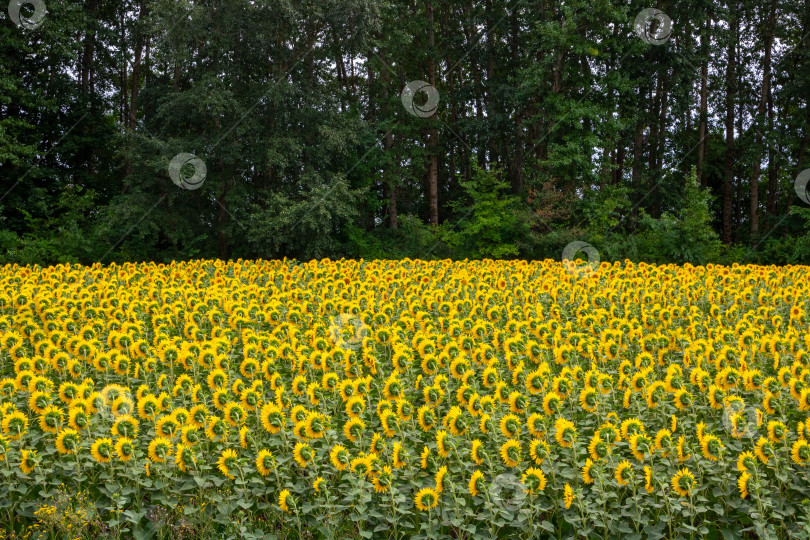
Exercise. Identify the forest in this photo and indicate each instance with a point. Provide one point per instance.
(165, 130)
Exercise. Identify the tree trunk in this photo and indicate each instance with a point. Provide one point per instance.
(433, 135)
(763, 100)
(704, 101)
(728, 177)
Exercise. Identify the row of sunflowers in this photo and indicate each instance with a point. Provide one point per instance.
(404, 399)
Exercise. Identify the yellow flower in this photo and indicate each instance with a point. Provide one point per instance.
(510, 453)
(510, 426)
(102, 450)
(712, 447)
(302, 453)
(28, 460)
(272, 418)
(397, 453)
(746, 461)
(742, 484)
(339, 457)
(474, 480)
(353, 428)
(124, 449)
(184, 457)
(265, 462)
(682, 482)
(67, 441)
(440, 474)
(424, 457)
(623, 473)
(227, 460)
(586, 471)
(538, 450)
(800, 452)
(426, 498)
(282, 500)
(566, 432)
(568, 495)
(159, 449)
(316, 485)
(534, 479)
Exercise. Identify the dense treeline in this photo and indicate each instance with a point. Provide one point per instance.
(556, 122)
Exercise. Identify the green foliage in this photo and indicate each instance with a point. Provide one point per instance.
(308, 226)
(490, 225)
(685, 235)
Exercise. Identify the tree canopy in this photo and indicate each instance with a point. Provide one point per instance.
(431, 129)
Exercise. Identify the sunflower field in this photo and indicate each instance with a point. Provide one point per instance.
(389, 399)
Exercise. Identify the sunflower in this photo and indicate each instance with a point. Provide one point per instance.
(624, 473)
(510, 426)
(339, 457)
(746, 461)
(302, 454)
(742, 484)
(284, 500)
(682, 482)
(510, 453)
(102, 450)
(316, 485)
(800, 452)
(265, 462)
(424, 456)
(588, 399)
(586, 471)
(539, 450)
(227, 461)
(159, 449)
(777, 431)
(475, 479)
(67, 441)
(28, 460)
(475, 452)
(763, 450)
(15, 425)
(426, 418)
(272, 418)
(534, 480)
(78, 418)
(711, 447)
(426, 498)
(124, 449)
(648, 479)
(535, 425)
(397, 455)
(353, 429)
(216, 429)
(234, 413)
(568, 496)
(631, 426)
(551, 403)
(440, 474)
(441, 447)
(565, 432)
(51, 418)
(184, 457)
